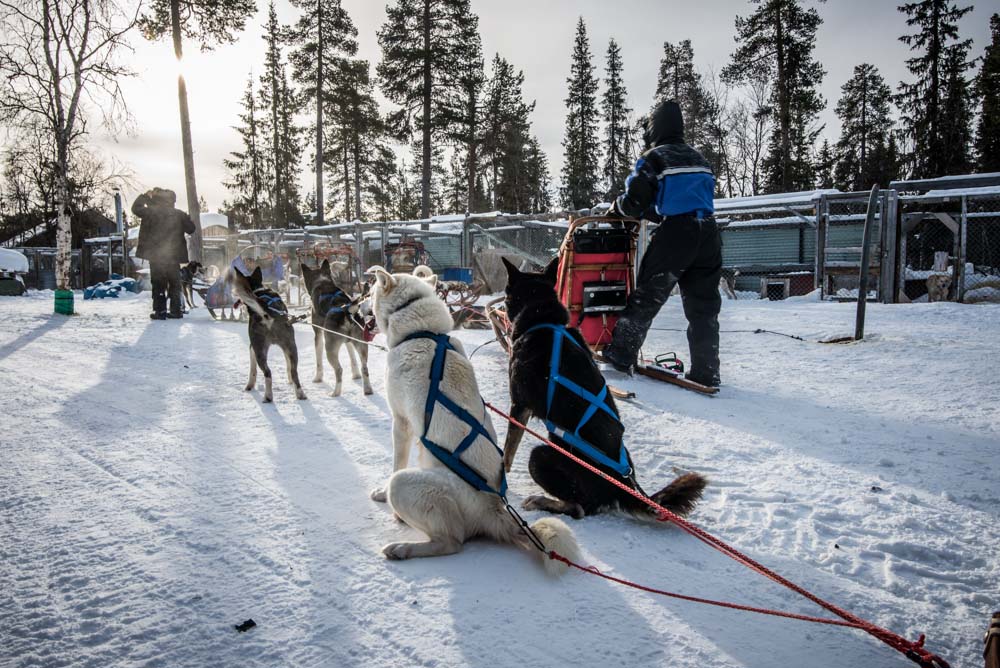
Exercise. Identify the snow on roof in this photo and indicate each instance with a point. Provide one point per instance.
(960, 192)
(213, 219)
(12, 260)
(778, 199)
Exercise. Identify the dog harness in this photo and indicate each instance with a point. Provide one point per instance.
(435, 396)
(271, 302)
(332, 309)
(596, 401)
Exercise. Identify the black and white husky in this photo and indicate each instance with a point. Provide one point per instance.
(270, 325)
(533, 308)
(433, 498)
(337, 313)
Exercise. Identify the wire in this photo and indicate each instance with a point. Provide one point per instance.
(732, 331)
(476, 350)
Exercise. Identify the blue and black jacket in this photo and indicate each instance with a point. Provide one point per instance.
(671, 178)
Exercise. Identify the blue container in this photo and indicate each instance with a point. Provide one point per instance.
(463, 274)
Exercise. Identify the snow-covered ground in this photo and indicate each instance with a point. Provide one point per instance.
(148, 504)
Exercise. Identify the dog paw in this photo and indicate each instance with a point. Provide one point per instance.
(368, 390)
(336, 391)
(355, 375)
(318, 379)
(248, 388)
(534, 502)
(379, 495)
(396, 551)
(267, 400)
(299, 394)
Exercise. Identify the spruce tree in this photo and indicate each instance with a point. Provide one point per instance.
(419, 41)
(246, 166)
(922, 102)
(581, 147)
(538, 181)
(824, 165)
(777, 42)
(617, 125)
(988, 87)
(866, 125)
(957, 105)
(323, 34)
(678, 80)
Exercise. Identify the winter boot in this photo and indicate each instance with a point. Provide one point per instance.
(157, 315)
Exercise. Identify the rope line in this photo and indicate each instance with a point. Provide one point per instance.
(914, 650)
(367, 343)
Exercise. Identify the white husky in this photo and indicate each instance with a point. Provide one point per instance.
(432, 498)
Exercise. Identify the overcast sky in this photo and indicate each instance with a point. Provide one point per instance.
(536, 36)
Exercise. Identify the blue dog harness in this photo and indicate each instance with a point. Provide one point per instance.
(332, 309)
(435, 396)
(596, 401)
(271, 302)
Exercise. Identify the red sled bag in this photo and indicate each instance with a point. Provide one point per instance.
(595, 276)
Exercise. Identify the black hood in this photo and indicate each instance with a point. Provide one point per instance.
(665, 125)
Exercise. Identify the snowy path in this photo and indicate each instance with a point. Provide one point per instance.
(147, 503)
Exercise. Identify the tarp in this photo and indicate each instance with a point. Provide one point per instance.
(13, 261)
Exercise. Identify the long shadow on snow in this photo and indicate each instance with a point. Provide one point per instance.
(49, 324)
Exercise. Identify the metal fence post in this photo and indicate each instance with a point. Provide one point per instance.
(963, 249)
(465, 252)
(866, 240)
(887, 272)
(819, 275)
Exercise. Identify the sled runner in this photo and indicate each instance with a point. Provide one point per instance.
(596, 274)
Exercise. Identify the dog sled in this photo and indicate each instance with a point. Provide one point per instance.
(596, 274)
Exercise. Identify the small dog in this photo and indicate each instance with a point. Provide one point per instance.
(531, 300)
(334, 310)
(938, 286)
(189, 273)
(269, 325)
(433, 498)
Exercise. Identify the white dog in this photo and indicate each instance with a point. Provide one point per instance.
(433, 498)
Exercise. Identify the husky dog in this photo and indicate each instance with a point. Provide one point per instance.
(532, 300)
(189, 273)
(938, 286)
(334, 310)
(433, 498)
(269, 324)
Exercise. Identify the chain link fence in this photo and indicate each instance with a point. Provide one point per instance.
(840, 244)
(981, 270)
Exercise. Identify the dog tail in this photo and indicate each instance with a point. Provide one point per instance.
(557, 537)
(682, 494)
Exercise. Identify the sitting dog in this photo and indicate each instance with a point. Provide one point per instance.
(938, 286)
(189, 273)
(537, 318)
(269, 325)
(434, 498)
(336, 311)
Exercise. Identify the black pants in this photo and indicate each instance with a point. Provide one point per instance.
(684, 251)
(166, 280)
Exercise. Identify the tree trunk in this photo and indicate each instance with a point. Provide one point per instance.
(347, 179)
(784, 111)
(194, 210)
(357, 176)
(319, 114)
(425, 177)
(473, 156)
(64, 230)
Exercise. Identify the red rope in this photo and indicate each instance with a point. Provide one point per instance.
(914, 650)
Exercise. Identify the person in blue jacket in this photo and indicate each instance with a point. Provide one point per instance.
(672, 184)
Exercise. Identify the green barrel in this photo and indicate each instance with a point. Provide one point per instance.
(64, 302)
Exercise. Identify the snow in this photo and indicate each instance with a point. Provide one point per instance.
(962, 192)
(779, 199)
(213, 219)
(149, 504)
(13, 261)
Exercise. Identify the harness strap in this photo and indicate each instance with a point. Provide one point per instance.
(597, 402)
(452, 459)
(329, 297)
(268, 301)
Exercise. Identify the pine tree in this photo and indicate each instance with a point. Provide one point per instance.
(679, 81)
(538, 181)
(580, 173)
(277, 126)
(988, 87)
(463, 107)
(382, 190)
(866, 125)
(617, 126)
(824, 164)
(323, 34)
(419, 41)
(922, 102)
(247, 166)
(777, 42)
(957, 106)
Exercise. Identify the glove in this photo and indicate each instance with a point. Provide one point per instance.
(615, 211)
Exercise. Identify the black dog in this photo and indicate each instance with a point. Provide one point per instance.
(532, 301)
(337, 313)
(190, 272)
(269, 325)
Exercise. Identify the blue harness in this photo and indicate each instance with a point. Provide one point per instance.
(271, 302)
(596, 401)
(451, 459)
(333, 309)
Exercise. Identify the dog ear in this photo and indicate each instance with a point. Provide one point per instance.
(257, 278)
(552, 270)
(325, 267)
(385, 280)
(431, 280)
(513, 272)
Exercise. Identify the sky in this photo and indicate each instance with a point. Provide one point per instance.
(536, 36)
